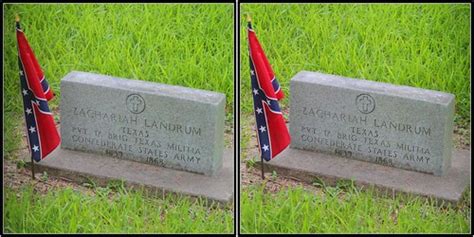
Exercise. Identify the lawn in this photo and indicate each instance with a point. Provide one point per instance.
(110, 210)
(346, 209)
(426, 46)
(188, 45)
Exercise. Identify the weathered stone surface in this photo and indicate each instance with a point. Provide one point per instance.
(164, 125)
(398, 126)
(307, 165)
(82, 166)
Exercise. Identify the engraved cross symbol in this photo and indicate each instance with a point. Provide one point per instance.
(135, 102)
(366, 102)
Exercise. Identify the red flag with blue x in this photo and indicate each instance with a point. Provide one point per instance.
(43, 137)
(272, 133)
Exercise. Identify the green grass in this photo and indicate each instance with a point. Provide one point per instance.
(425, 46)
(349, 210)
(70, 211)
(181, 44)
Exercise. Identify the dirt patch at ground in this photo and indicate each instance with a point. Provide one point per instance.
(462, 137)
(250, 172)
(16, 176)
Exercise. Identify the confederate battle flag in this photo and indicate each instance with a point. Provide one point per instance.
(43, 136)
(272, 133)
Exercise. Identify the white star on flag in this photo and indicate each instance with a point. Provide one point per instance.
(21, 73)
(268, 101)
(262, 129)
(25, 92)
(259, 110)
(32, 129)
(35, 148)
(28, 111)
(265, 147)
(252, 72)
(37, 101)
(255, 91)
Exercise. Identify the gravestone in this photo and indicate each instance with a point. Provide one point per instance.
(399, 126)
(395, 138)
(153, 123)
(165, 138)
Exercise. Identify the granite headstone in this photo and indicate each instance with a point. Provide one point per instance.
(399, 126)
(158, 124)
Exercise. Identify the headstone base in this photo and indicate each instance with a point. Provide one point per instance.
(307, 165)
(81, 166)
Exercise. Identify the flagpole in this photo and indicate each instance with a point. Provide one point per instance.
(32, 168)
(17, 21)
(249, 20)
